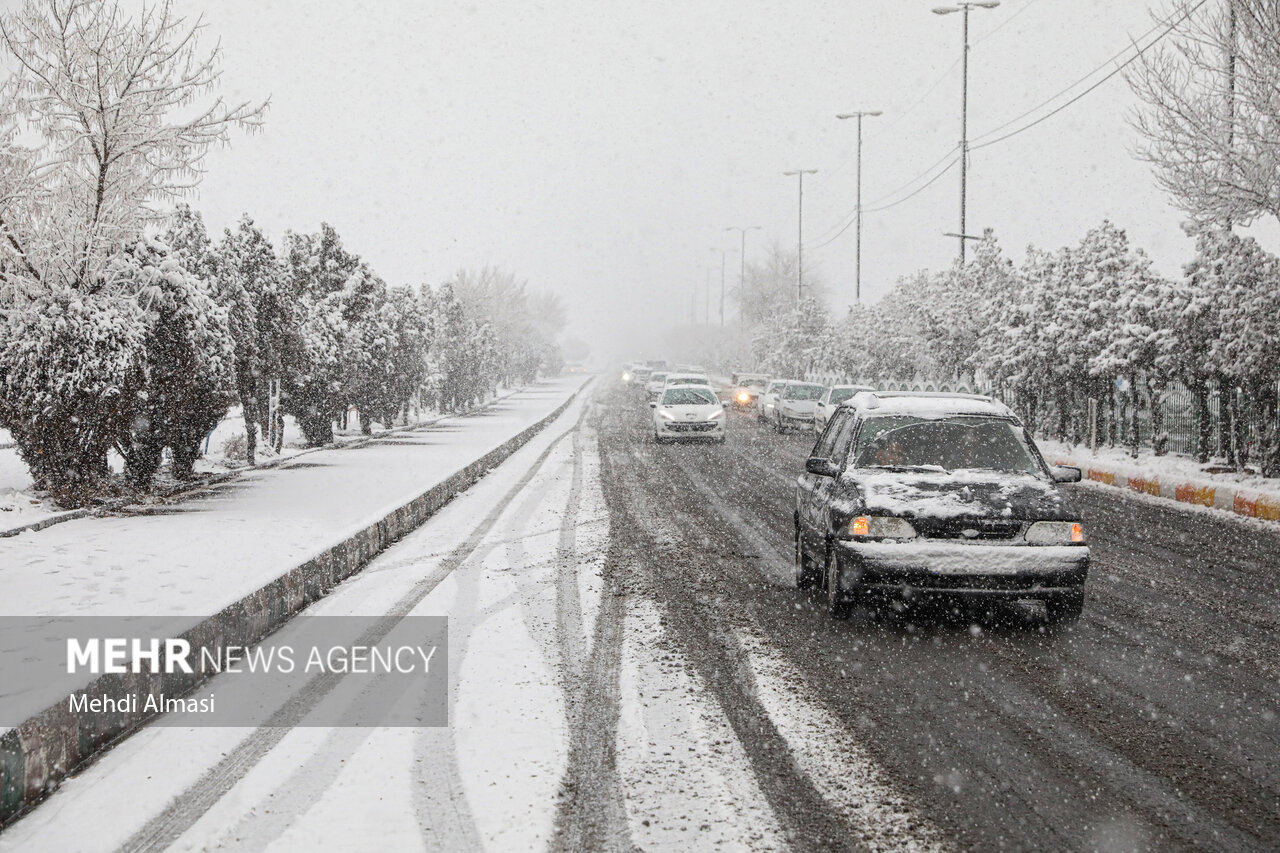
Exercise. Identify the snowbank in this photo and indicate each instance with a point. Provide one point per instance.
(1174, 477)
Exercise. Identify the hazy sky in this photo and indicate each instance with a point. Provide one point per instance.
(600, 148)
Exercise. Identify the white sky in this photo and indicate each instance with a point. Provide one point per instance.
(600, 148)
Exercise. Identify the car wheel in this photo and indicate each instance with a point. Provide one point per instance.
(1064, 608)
(657, 439)
(777, 425)
(838, 603)
(806, 571)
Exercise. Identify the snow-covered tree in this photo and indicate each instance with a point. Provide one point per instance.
(189, 357)
(119, 117)
(71, 369)
(1211, 110)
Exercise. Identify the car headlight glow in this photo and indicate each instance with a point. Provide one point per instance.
(743, 397)
(718, 413)
(881, 527)
(1055, 533)
(666, 414)
(626, 377)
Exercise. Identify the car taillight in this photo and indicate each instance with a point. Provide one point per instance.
(860, 526)
(1077, 532)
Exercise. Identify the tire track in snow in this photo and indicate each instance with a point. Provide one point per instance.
(165, 828)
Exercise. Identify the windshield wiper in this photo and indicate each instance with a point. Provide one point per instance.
(932, 468)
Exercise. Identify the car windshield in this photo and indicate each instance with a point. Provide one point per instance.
(839, 395)
(657, 377)
(953, 444)
(752, 383)
(688, 397)
(804, 392)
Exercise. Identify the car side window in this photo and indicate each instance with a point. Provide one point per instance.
(842, 441)
(826, 445)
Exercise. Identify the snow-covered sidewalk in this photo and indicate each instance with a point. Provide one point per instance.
(242, 556)
(1176, 478)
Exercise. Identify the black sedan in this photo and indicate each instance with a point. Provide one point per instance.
(910, 495)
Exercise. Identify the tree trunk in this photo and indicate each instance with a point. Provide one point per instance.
(1159, 436)
(250, 429)
(1135, 419)
(1269, 456)
(1111, 414)
(1204, 420)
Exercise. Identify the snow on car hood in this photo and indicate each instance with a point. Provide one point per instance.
(961, 494)
(805, 406)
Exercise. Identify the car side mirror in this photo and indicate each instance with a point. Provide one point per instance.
(821, 467)
(1065, 474)
(653, 405)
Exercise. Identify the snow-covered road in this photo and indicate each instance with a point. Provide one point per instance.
(630, 669)
(516, 564)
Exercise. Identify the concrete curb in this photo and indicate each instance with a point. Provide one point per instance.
(38, 754)
(1249, 503)
(186, 490)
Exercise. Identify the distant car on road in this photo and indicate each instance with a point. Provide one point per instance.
(831, 400)
(657, 379)
(796, 404)
(768, 399)
(746, 388)
(685, 412)
(687, 379)
(936, 495)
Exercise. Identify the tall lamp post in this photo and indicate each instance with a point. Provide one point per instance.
(723, 254)
(742, 270)
(963, 8)
(857, 253)
(800, 173)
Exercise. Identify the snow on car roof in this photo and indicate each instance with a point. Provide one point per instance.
(926, 404)
(674, 376)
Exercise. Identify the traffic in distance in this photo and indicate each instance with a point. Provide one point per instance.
(905, 497)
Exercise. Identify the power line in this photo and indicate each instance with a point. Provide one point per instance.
(916, 192)
(1139, 52)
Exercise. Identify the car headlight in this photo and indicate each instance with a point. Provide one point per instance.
(743, 397)
(1055, 533)
(718, 413)
(881, 527)
(626, 377)
(666, 414)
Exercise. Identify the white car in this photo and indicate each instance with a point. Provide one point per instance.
(831, 400)
(654, 385)
(687, 379)
(796, 404)
(688, 412)
(768, 399)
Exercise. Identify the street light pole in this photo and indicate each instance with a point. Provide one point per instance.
(800, 173)
(964, 8)
(723, 254)
(742, 270)
(857, 254)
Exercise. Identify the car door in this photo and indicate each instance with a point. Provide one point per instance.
(813, 492)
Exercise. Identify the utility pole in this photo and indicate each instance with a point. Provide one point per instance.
(742, 269)
(706, 306)
(857, 251)
(800, 173)
(723, 254)
(964, 8)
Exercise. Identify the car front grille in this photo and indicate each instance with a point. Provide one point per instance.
(694, 427)
(974, 530)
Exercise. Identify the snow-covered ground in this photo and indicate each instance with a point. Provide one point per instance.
(515, 563)
(210, 551)
(1179, 467)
